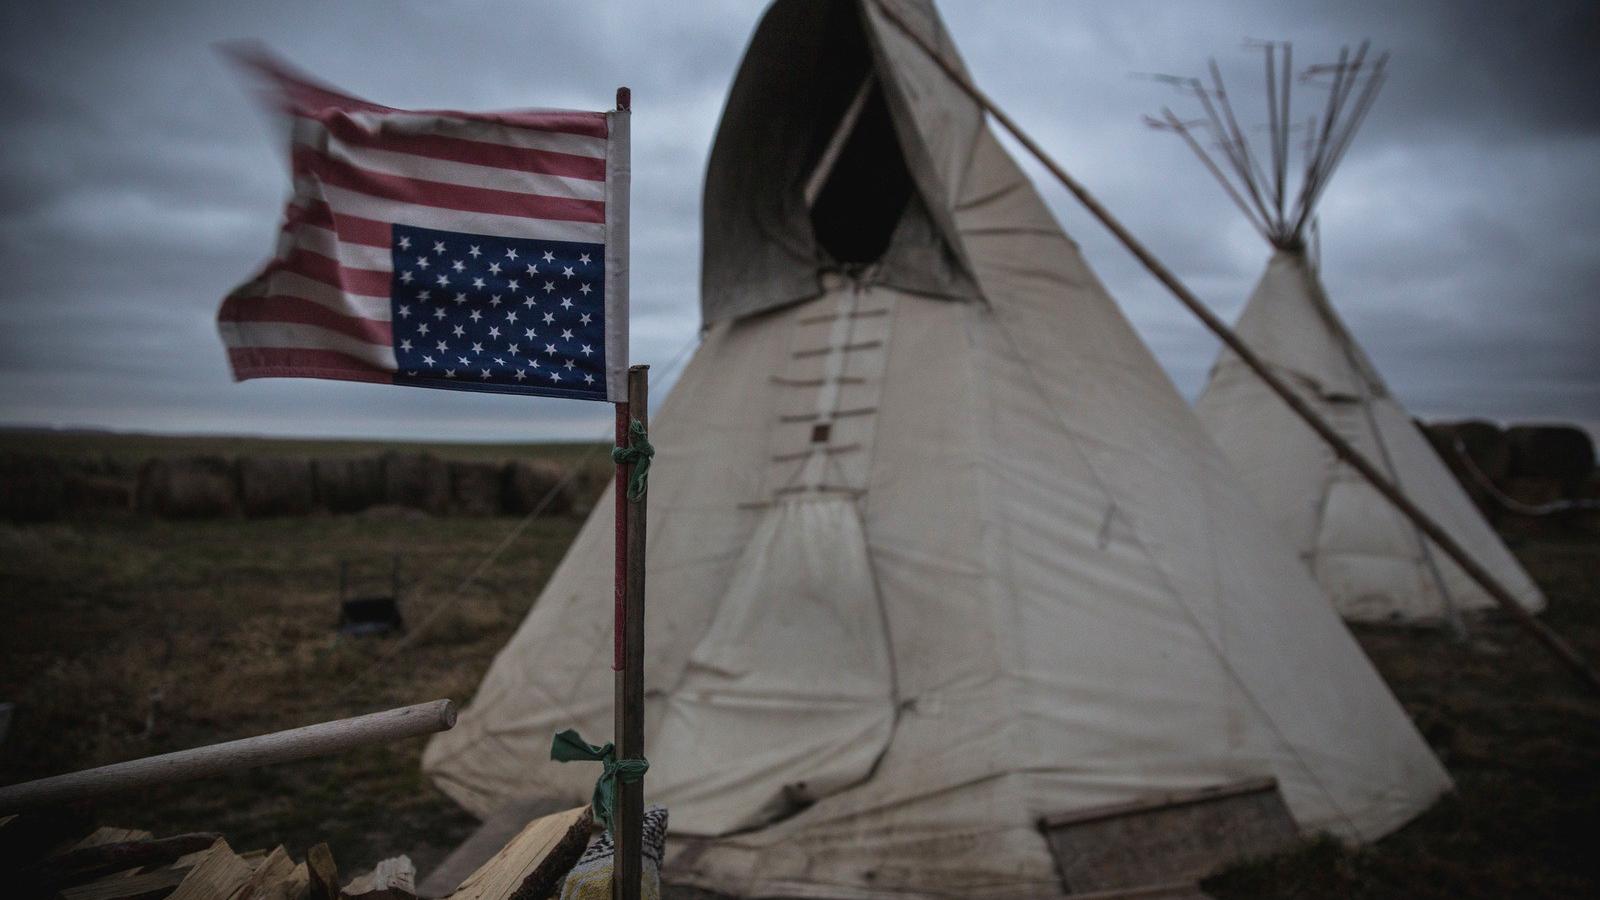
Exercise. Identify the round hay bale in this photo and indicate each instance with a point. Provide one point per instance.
(528, 482)
(32, 488)
(1483, 442)
(196, 488)
(1559, 452)
(85, 492)
(417, 481)
(348, 485)
(276, 486)
(476, 487)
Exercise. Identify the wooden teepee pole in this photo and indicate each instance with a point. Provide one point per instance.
(1349, 454)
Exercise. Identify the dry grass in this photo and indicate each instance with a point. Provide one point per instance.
(124, 637)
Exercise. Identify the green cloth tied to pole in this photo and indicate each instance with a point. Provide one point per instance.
(569, 746)
(639, 452)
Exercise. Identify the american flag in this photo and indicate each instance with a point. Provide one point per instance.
(471, 251)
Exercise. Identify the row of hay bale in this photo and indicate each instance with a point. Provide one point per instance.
(36, 487)
(1530, 466)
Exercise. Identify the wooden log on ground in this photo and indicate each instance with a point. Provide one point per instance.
(269, 874)
(533, 863)
(91, 861)
(145, 886)
(282, 746)
(218, 874)
(495, 832)
(323, 873)
(390, 879)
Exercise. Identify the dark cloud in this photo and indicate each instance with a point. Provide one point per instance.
(138, 183)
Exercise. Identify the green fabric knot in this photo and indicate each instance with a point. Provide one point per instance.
(569, 746)
(637, 452)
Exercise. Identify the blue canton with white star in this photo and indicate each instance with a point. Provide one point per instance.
(484, 313)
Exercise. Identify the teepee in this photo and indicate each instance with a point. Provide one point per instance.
(936, 548)
(1373, 563)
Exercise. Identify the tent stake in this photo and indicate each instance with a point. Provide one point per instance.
(321, 739)
(629, 663)
(1546, 636)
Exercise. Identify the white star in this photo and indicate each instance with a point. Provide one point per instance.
(511, 315)
(477, 348)
(405, 243)
(583, 319)
(405, 311)
(549, 286)
(495, 300)
(475, 315)
(449, 373)
(459, 299)
(587, 350)
(555, 376)
(441, 346)
(513, 285)
(583, 258)
(477, 283)
(532, 269)
(568, 365)
(424, 295)
(567, 271)
(438, 246)
(550, 349)
(494, 332)
(457, 331)
(566, 302)
(475, 251)
(494, 268)
(511, 349)
(549, 317)
(566, 335)
(521, 374)
(443, 280)
(549, 257)
(530, 302)
(530, 333)
(588, 379)
(405, 277)
(427, 360)
(405, 346)
(533, 363)
(422, 262)
(422, 328)
(439, 313)
(464, 360)
(510, 253)
(485, 374)
(498, 361)
(584, 290)
(459, 266)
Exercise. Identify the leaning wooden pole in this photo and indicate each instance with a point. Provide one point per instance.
(281, 746)
(629, 662)
(1345, 451)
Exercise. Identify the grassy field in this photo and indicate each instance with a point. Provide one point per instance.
(122, 637)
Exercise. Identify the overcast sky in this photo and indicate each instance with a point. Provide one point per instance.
(139, 183)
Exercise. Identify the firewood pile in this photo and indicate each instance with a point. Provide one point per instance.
(37, 859)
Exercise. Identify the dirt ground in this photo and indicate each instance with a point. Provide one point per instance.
(123, 637)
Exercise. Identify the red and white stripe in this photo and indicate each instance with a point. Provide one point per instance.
(320, 307)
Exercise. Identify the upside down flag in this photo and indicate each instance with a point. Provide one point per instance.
(471, 251)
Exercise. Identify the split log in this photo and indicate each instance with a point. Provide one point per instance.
(197, 488)
(475, 488)
(348, 485)
(391, 879)
(218, 874)
(418, 481)
(276, 486)
(148, 886)
(534, 862)
(323, 873)
(90, 861)
(269, 874)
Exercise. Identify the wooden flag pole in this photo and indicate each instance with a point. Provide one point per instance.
(628, 830)
(1391, 492)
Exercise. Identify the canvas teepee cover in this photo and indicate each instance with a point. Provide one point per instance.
(935, 546)
(1374, 563)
